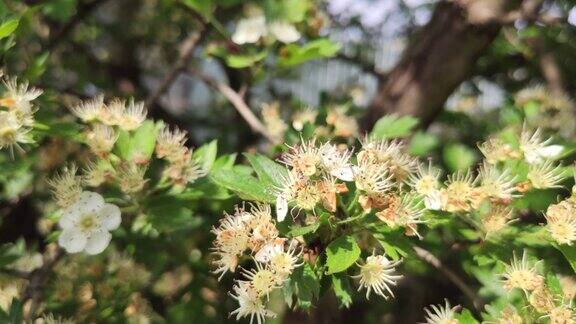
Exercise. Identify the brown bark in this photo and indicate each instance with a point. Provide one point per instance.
(439, 58)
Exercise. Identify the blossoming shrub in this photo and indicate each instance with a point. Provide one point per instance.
(130, 224)
(333, 212)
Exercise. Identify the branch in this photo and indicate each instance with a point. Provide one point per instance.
(453, 277)
(237, 101)
(365, 66)
(185, 53)
(441, 56)
(37, 279)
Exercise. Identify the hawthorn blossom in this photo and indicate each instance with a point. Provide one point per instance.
(86, 224)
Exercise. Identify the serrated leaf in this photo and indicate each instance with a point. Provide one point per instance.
(303, 230)
(268, 171)
(206, 155)
(392, 126)
(342, 289)
(245, 185)
(306, 285)
(342, 253)
(466, 317)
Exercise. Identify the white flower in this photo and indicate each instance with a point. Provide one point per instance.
(535, 149)
(249, 304)
(377, 275)
(433, 200)
(133, 116)
(281, 208)
(250, 30)
(284, 31)
(89, 110)
(336, 162)
(86, 224)
(18, 96)
(439, 314)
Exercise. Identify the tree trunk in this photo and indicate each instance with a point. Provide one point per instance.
(439, 58)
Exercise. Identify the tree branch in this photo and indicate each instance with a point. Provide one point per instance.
(439, 58)
(237, 101)
(450, 275)
(185, 53)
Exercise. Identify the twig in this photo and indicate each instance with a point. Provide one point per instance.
(453, 277)
(37, 279)
(237, 101)
(185, 53)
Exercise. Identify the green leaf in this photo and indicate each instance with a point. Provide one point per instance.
(293, 54)
(466, 317)
(458, 157)
(392, 126)
(342, 289)
(303, 230)
(422, 144)
(295, 10)
(242, 61)
(8, 27)
(306, 285)
(144, 139)
(139, 144)
(342, 253)
(569, 253)
(203, 7)
(206, 155)
(224, 162)
(268, 171)
(394, 243)
(168, 213)
(245, 185)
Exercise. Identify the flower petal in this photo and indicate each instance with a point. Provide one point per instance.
(72, 241)
(89, 202)
(98, 242)
(281, 208)
(550, 151)
(110, 216)
(343, 173)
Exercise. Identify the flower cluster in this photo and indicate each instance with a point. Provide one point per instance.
(561, 221)
(275, 258)
(523, 274)
(16, 113)
(182, 168)
(251, 29)
(102, 135)
(318, 173)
